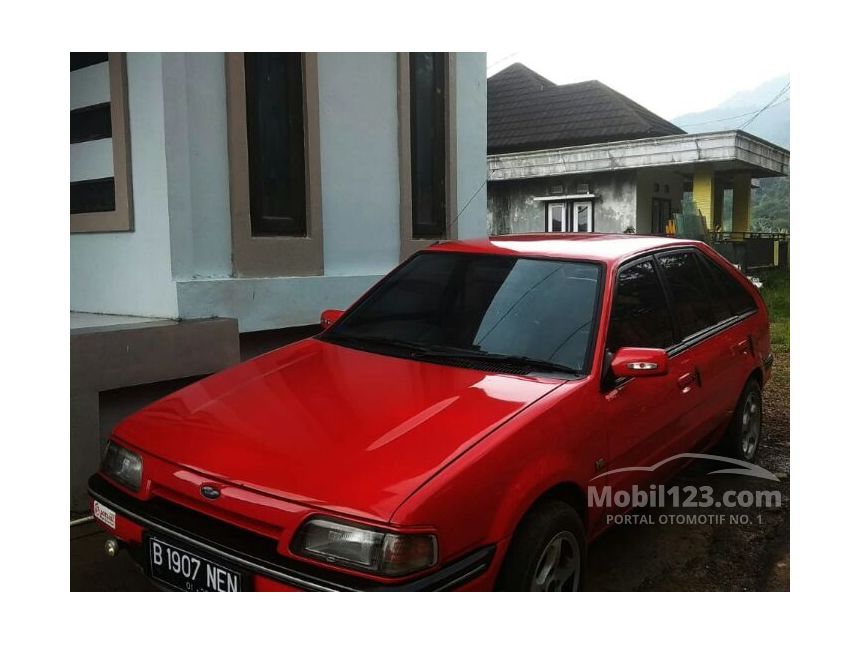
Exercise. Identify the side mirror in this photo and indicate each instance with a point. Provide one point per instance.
(630, 362)
(329, 317)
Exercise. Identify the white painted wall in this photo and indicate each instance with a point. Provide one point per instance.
(471, 95)
(129, 273)
(360, 163)
(195, 108)
(179, 265)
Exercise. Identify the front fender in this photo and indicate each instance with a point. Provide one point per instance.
(481, 497)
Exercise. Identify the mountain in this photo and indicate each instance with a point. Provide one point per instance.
(772, 124)
(770, 202)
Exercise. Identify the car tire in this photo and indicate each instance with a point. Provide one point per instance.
(547, 552)
(743, 435)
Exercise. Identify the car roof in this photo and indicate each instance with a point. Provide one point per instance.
(600, 247)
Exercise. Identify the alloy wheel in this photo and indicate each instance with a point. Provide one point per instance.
(750, 425)
(558, 566)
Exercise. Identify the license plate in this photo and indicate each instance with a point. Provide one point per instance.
(185, 569)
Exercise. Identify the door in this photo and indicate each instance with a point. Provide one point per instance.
(734, 345)
(661, 213)
(704, 323)
(643, 415)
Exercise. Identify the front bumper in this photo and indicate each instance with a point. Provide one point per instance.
(257, 554)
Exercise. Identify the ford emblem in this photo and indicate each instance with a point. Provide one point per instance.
(210, 492)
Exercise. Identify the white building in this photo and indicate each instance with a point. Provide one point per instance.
(256, 190)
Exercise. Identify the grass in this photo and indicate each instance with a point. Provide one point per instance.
(775, 291)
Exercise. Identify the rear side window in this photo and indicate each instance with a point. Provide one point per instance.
(716, 292)
(738, 299)
(640, 314)
(689, 293)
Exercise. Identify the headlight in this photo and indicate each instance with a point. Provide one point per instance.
(123, 466)
(366, 548)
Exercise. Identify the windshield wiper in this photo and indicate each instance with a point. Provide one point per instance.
(537, 364)
(379, 340)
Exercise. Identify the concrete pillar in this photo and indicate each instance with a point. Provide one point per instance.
(741, 202)
(703, 194)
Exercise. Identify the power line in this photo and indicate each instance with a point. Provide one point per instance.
(772, 101)
(730, 118)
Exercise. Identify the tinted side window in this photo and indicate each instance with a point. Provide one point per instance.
(640, 315)
(739, 299)
(689, 294)
(716, 292)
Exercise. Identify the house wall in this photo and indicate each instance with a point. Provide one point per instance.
(471, 96)
(360, 163)
(512, 207)
(197, 168)
(130, 273)
(178, 260)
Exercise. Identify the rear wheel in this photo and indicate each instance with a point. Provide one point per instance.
(744, 433)
(547, 552)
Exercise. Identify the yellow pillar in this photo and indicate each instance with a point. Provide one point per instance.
(703, 194)
(741, 202)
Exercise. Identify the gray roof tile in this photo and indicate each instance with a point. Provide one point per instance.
(526, 111)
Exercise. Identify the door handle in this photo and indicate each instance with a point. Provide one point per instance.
(686, 381)
(742, 347)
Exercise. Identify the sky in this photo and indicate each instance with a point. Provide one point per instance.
(668, 90)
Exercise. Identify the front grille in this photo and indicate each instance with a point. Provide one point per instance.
(259, 554)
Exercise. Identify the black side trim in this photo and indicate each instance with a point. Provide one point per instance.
(705, 334)
(258, 553)
(90, 123)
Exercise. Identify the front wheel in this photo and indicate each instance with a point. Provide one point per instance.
(547, 552)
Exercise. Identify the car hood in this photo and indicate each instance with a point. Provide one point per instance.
(330, 426)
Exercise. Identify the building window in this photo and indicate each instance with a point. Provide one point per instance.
(570, 217)
(100, 161)
(274, 153)
(274, 97)
(428, 84)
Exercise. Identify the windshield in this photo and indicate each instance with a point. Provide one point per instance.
(539, 310)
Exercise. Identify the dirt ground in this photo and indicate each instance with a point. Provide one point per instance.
(753, 557)
(728, 557)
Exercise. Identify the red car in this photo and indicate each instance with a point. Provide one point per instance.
(442, 432)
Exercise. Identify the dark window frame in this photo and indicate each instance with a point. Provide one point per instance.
(291, 153)
(439, 152)
(272, 255)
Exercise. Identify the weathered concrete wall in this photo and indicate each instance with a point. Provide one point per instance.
(615, 206)
(512, 207)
